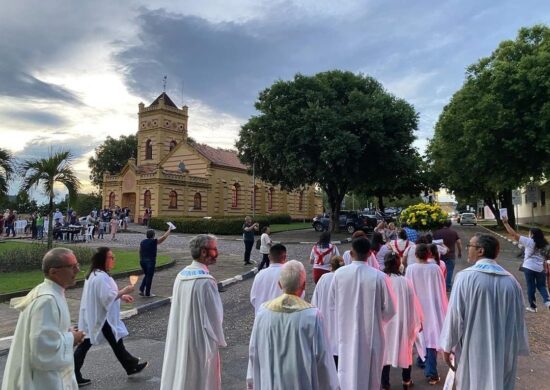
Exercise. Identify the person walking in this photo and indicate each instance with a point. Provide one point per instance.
(248, 238)
(99, 315)
(148, 260)
(320, 256)
(451, 240)
(266, 283)
(485, 324)
(113, 228)
(534, 266)
(265, 245)
(41, 353)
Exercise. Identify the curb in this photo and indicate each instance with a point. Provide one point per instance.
(5, 342)
(503, 237)
(79, 283)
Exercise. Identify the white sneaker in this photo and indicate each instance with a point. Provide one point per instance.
(530, 309)
(547, 304)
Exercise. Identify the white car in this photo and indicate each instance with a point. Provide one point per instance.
(468, 219)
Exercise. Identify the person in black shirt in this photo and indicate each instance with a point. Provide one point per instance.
(248, 237)
(148, 260)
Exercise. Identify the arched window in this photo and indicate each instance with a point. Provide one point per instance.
(197, 201)
(148, 150)
(301, 201)
(112, 200)
(173, 200)
(235, 195)
(173, 144)
(147, 199)
(270, 193)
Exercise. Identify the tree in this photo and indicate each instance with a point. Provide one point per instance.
(6, 170)
(47, 172)
(333, 129)
(111, 156)
(85, 203)
(496, 126)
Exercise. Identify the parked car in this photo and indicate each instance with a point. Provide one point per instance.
(468, 219)
(349, 220)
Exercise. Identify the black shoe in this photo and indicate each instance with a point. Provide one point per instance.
(83, 382)
(137, 368)
(247, 263)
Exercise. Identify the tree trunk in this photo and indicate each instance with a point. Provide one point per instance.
(50, 224)
(335, 201)
(507, 202)
(381, 203)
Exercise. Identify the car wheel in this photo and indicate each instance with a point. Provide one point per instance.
(351, 229)
(318, 227)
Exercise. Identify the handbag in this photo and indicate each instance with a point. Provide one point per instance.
(258, 243)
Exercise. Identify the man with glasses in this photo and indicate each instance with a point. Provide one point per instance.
(41, 354)
(191, 357)
(485, 323)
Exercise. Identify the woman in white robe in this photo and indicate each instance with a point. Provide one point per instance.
(429, 286)
(402, 330)
(100, 315)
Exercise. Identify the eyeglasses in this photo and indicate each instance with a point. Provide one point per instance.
(473, 246)
(75, 265)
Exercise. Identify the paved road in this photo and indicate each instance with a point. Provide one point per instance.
(148, 333)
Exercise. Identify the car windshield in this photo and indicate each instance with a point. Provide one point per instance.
(469, 215)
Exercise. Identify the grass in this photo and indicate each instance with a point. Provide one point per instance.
(15, 281)
(277, 227)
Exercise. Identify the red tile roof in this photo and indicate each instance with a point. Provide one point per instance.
(221, 157)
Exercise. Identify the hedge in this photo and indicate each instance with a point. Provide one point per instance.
(217, 225)
(29, 257)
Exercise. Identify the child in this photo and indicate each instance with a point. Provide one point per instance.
(102, 226)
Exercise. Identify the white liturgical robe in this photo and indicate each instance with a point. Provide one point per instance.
(371, 260)
(363, 300)
(41, 354)
(288, 348)
(320, 299)
(98, 304)
(486, 325)
(429, 286)
(403, 328)
(266, 285)
(191, 357)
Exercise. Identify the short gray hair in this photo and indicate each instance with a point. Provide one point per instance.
(55, 257)
(199, 242)
(292, 277)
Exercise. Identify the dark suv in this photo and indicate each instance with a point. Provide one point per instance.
(349, 220)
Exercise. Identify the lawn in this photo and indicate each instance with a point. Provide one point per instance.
(14, 281)
(276, 227)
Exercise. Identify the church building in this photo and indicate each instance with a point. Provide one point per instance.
(176, 177)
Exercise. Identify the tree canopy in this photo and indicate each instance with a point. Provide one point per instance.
(6, 170)
(493, 136)
(46, 173)
(335, 129)
(111, 156)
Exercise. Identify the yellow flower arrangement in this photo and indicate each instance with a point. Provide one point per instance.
(424, 216)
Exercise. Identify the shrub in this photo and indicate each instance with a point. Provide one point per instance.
(28, 257)
(423, 216)
(217, 225)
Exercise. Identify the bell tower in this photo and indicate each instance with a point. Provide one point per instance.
(161, 127)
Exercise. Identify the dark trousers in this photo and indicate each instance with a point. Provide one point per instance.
(431, 363)
(405, 376)
(535, 281)
(265, 261)
(148, 267)
(10, 228)
(247, 250)
(124, 357)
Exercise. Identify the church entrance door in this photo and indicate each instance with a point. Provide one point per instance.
(129, 200)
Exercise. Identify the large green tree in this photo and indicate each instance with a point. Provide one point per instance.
(335, 129)
(493, 136)
(6, 170)
(111, 156)
(46, 173)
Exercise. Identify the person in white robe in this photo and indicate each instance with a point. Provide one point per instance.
(485, 324)
(362, 298)
(99, 315)
(379, 249)
(41, 353)
(404, 248)
(371, 259)
(402, 330)
(320, 299)
(288, 345)
(320, 256)
(435, 258)
(266, 283)
(195, 332)
(429, 286)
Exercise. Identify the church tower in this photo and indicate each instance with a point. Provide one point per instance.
(162, 126)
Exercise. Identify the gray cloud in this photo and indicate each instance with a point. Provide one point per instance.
(34, 117)
(41, 148)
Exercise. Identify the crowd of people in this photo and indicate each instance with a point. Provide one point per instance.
(367, 314)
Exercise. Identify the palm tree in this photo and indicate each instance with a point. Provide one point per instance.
(46, 172)
(6, 170)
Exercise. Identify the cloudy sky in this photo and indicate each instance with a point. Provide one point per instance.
(73, 72)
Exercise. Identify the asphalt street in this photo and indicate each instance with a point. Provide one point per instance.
(148, 333)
